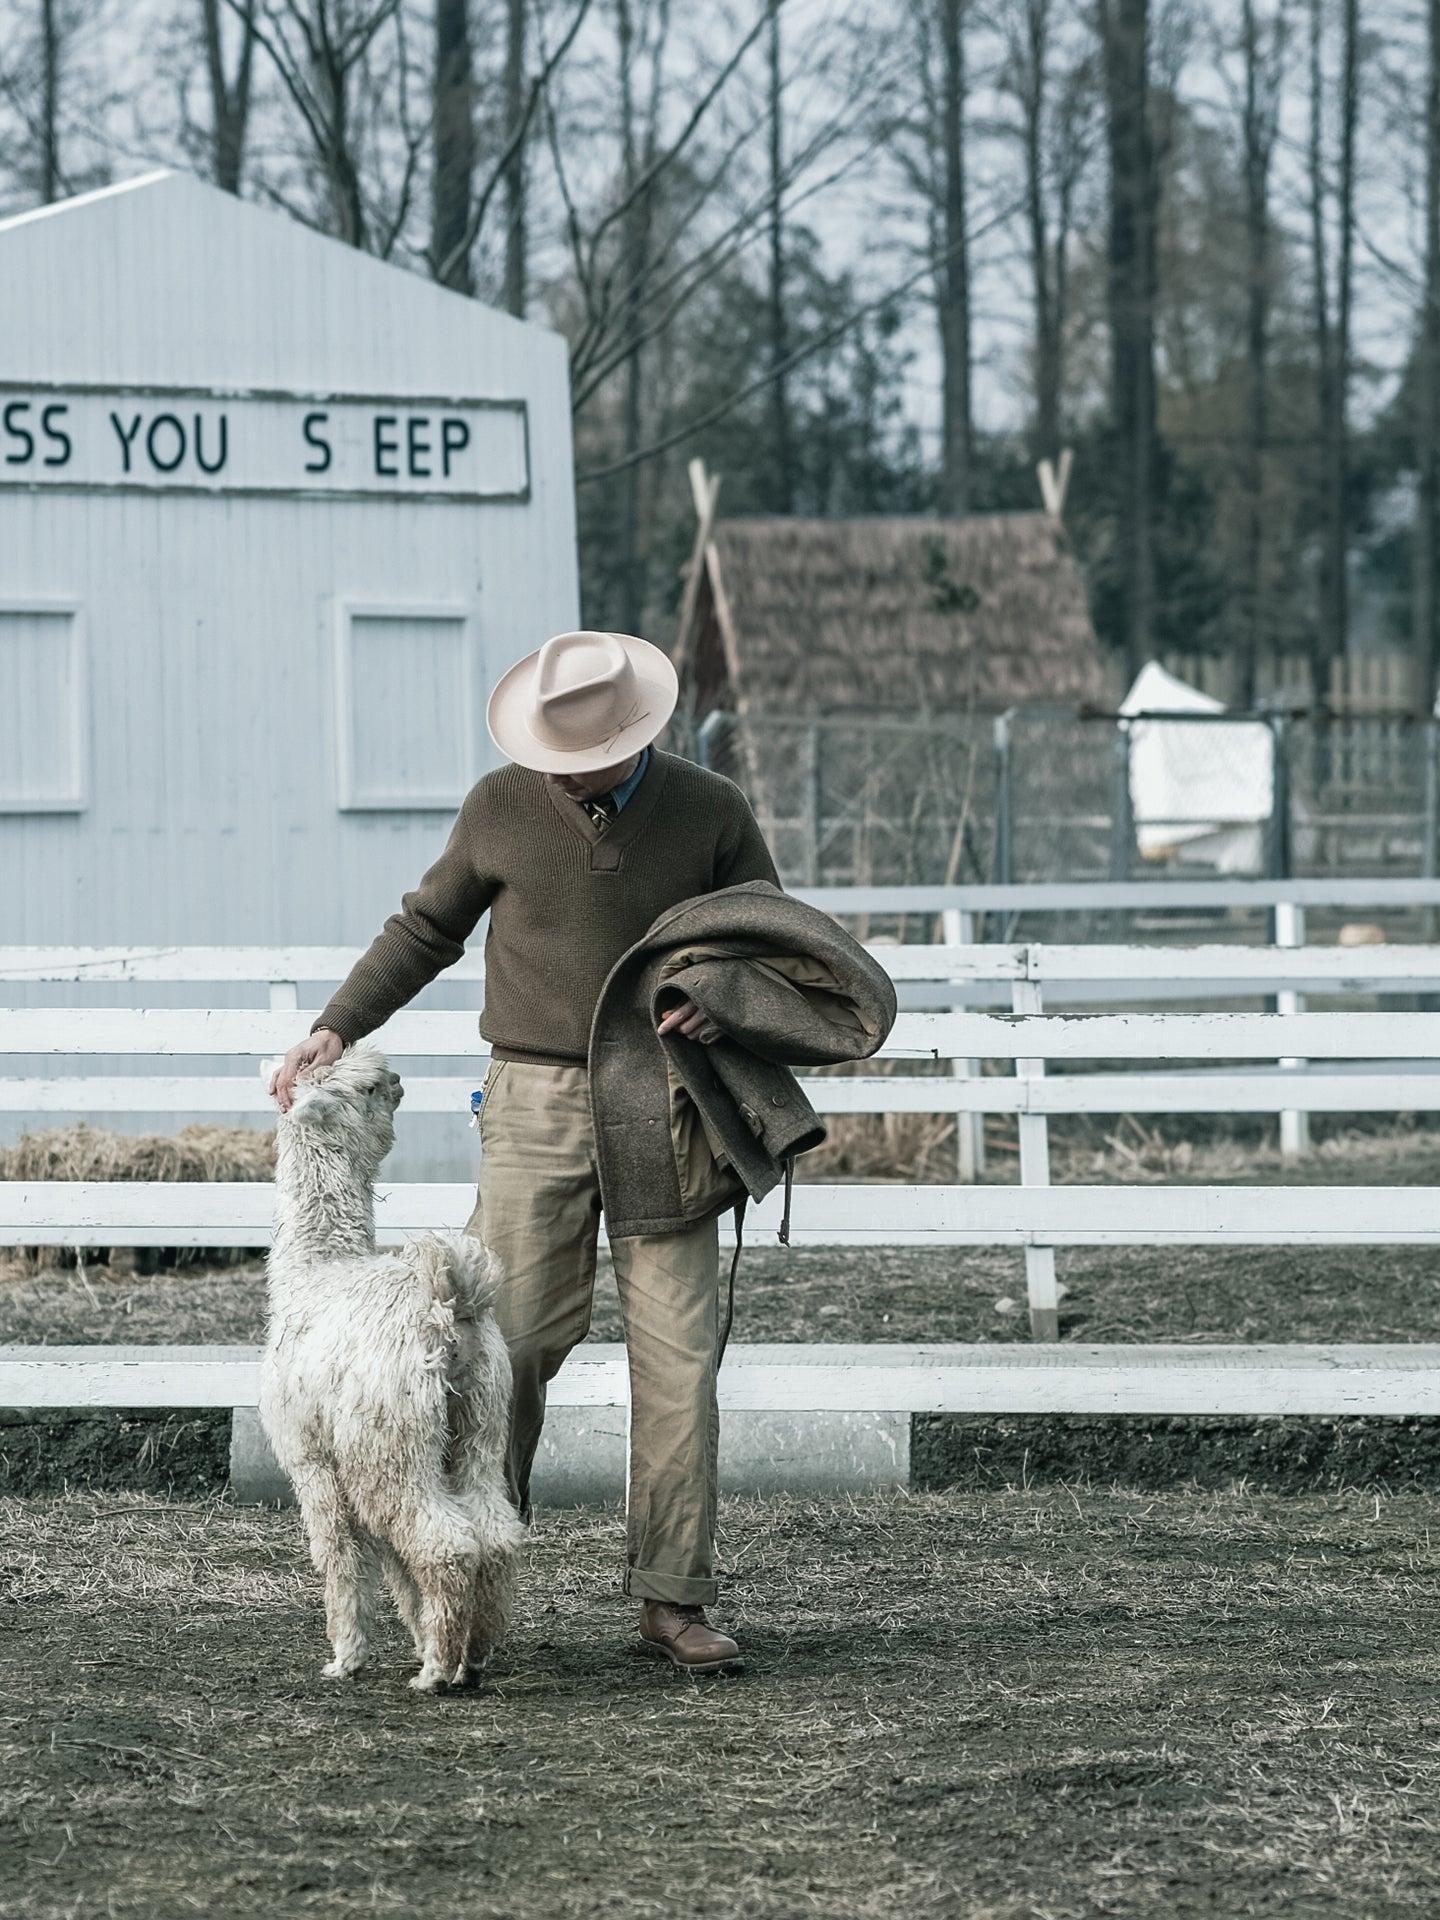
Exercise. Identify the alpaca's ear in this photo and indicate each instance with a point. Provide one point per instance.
(314, 1107)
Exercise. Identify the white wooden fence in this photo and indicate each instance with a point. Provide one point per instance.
(1213, 1061)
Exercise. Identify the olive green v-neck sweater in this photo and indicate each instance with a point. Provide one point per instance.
(566, 899)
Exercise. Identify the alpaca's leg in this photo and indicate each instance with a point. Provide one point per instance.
(344, 1559)
(447, 1589)
(490, 1608)
(405, 1592)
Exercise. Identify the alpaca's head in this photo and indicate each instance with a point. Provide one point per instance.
(347, 1108)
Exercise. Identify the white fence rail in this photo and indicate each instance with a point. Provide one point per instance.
(1214, 1061)
(849, 1380)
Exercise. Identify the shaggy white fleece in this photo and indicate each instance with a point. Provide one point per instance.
(385, 1389)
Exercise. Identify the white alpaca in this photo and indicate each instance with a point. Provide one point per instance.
(385, 1389)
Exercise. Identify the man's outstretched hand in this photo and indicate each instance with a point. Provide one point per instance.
(689, 1020)
(319, 1049)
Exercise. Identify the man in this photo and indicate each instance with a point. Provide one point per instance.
(575, 848)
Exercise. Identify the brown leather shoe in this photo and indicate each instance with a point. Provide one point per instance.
(685, 1637)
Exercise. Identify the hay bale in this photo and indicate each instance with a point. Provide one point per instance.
(204, 1151)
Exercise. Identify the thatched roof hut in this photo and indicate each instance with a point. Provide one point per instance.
(897, 615)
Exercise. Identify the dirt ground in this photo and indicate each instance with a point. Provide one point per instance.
(1041, 1705)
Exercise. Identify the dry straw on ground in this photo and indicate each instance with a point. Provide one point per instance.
(1064, 1703)
(203, 1151)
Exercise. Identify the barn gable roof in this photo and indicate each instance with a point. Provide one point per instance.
(833, 615)
(253, 279)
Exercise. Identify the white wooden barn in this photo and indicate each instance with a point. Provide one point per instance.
(273, 517)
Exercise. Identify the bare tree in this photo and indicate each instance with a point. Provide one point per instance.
(782, 435)
(319, 49)
(1333, 206)
(516, 213)
(1426, 593)
(1262, 46)
(952, 273)
(50, 186)
(1056, 101)
(229, 98)
(639, 146)
(928, 141)
(452, 174)
(1134, 199)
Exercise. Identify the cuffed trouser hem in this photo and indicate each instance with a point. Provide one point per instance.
(675, 1588)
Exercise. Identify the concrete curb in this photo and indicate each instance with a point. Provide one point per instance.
(582, 1455)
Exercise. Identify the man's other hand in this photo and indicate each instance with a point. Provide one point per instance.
(689, 1020)
(319, 1049)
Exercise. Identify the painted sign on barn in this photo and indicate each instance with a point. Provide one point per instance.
(190, 439)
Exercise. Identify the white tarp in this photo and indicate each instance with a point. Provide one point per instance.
(1200, 792)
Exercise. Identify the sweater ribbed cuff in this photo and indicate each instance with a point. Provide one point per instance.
(337, 1020)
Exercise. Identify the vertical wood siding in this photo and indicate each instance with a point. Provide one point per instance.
(210, 764)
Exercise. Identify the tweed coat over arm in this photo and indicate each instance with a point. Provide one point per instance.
(682, 1130)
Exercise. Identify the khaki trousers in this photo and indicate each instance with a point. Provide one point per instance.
(538, 1210)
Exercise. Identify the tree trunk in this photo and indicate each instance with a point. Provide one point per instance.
(229, 101)
(1324, 346)
(516, 263)
(1333, 329)
(1132, 263)
(1426, 589)
(1259, 127)
(454, 167)
(782, 436)
(953, 275)
(49, 104)
(1034, 91)
(1344, 303)
(632, 589)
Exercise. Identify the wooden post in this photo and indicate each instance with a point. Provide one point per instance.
(706, 494)
(1122, 818)
(1004, 802)
(1294, 1127)
(958, 929)
(1040, 1282)
(284, 996)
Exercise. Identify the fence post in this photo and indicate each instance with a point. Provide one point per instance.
(958, 929)
(1294, 1126)
(1004, 803)
(1122, 819)
(813, 804)
(1040, 1282)
(284, 996)
(1280, 798)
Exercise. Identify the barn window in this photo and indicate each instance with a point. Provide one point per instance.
(42, 707)
(405, 701)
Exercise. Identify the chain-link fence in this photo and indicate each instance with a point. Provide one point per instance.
(1044, 794)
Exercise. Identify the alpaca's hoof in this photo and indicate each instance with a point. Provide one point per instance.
(338, 1669)
(429, 1680)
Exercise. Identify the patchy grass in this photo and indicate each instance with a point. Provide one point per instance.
(1004, 1706)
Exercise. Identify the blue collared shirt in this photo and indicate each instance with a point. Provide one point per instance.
(619, 795)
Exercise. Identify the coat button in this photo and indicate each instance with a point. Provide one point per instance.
(776, 1101)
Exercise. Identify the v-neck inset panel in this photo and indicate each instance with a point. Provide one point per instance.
(607, 843)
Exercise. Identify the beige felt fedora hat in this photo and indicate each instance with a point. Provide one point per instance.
(583, 701)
